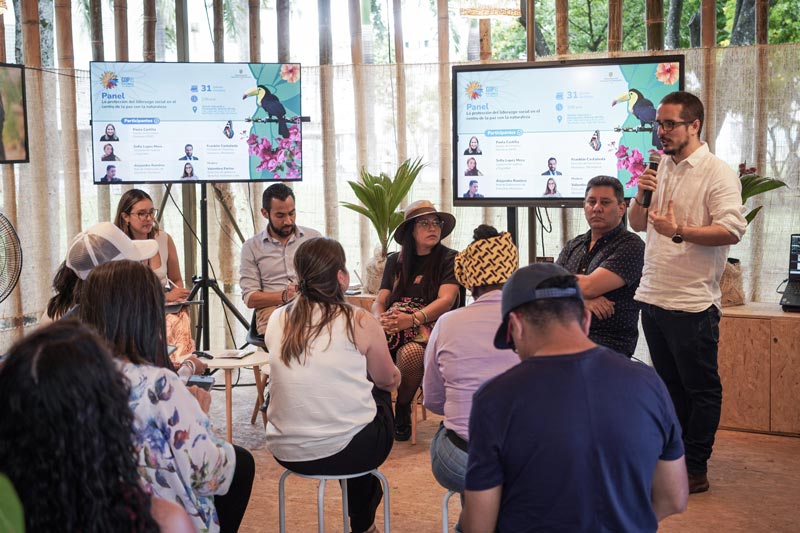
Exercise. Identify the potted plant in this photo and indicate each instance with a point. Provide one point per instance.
(380, 198)
(731, 284)
(753, 185)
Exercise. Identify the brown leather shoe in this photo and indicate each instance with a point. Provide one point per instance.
(698, 483)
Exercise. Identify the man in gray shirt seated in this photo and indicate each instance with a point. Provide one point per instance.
(266, 271)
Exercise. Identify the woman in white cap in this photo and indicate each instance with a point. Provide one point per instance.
(99, 244)
(418, 287)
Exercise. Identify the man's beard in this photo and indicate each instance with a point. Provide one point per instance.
(285, 232)
(675, 149)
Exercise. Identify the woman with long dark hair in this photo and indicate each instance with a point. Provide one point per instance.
(188, 172)
(136, 216)
(65, 437)
(331, 377)
(180, 458)
(418, 286)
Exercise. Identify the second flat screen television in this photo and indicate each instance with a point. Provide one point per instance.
(536, 133)
(189, 122)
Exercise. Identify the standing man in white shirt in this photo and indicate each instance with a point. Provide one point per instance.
(694, 217)
(266, 271)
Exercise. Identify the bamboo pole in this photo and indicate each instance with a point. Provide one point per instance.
(256, 188)
(282, 8)
(328, 124)
(562, 27)
(445, 148)
(69, 120)
(400, 74)
(149, 19)
(614, 26)
(530, 29)
(760, 119)
(98, 54)
(13, 304)
(357, 56)
(254, 18)
(708, 32)
(36, 204)
(654, 24)
(121, 29)
(485, 38)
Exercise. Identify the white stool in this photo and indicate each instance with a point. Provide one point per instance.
(445, 501)
(321, 498)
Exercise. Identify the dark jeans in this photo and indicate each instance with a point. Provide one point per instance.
(232, 505)
(368, 449)
(683, 347)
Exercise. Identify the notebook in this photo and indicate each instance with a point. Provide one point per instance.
(791, 294)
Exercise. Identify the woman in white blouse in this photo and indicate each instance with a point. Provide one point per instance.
(330, 382)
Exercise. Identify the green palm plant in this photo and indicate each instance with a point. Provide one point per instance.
(753, 185)
(381, 196)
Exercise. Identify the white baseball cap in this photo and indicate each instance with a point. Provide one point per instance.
(102, 243)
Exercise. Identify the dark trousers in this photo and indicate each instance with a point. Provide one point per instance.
(683, 347)
(368, 449)
(232, 505)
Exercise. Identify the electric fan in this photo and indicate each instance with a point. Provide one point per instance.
(10, 257)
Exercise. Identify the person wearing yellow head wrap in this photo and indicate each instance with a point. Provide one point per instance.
(461, 356)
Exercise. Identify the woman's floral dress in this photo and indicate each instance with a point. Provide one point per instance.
(180, 458)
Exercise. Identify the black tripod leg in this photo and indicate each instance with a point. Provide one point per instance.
(227, 303)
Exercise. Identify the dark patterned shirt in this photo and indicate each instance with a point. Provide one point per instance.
(622, 253)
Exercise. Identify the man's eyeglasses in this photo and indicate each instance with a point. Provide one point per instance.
(144, 215)
(425, 224)
(669, 125)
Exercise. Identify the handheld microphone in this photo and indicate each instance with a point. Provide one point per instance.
(655, 159)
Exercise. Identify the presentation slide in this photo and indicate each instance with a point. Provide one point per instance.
(525, 133)
(182, 122)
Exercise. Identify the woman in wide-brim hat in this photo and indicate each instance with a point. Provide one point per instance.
(418, 286)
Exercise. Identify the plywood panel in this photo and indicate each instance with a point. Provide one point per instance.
(785, 375)
(744, 367)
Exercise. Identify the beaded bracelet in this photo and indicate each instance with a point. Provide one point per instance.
(424, 315)
(284, 296)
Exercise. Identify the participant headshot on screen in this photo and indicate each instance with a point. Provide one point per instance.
(111, 175)
(551, 168)
(111, 134)
(472, 192)
(188, 149)
(108, 153)
(472, 168)
(473, 147)
(551, 189)
(188, 172)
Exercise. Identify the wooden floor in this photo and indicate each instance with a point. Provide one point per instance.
(755, 483)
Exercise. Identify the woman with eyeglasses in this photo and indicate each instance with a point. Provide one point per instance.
(418, 286)
(136, 216)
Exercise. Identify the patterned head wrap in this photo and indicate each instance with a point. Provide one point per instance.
(487, 262)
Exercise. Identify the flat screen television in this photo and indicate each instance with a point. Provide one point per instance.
(190, 122)
(13, 115)
(527, 134)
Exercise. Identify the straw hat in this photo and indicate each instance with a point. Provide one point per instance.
(421, 208)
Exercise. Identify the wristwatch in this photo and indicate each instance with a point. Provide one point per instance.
(677, 237)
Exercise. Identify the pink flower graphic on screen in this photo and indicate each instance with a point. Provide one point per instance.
(668, 73)
(290, 72)
(632, 161)
(284, 156)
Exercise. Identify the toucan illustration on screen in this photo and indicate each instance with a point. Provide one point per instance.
(274, 108)
(643, 109)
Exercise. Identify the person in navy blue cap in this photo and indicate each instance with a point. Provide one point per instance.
(577, 437)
